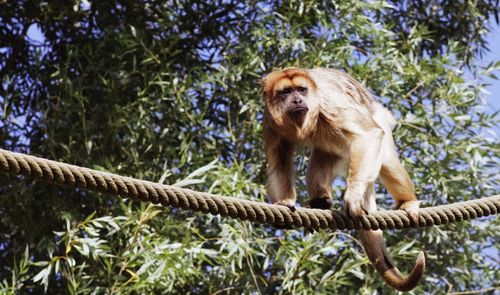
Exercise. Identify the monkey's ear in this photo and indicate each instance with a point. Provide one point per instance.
(268, 81)
(262, 83)
(265, 86)
(265, 79)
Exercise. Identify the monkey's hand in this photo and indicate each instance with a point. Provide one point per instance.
(324, 202)
(354, 200)
(287, 203)
(411, 207)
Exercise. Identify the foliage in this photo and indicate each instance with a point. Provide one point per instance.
(157, 90)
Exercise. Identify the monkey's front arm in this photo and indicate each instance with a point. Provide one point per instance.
(365, 160)
(280, 170)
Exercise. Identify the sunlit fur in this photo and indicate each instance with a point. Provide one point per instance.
(350, 134)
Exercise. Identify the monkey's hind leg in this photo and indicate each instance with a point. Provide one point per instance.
(397, 181)
(319, 179)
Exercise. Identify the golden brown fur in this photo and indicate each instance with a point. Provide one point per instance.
(350, 134)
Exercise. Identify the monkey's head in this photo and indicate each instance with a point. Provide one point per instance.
(289, 97)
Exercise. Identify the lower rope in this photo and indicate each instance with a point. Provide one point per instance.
(278, 216)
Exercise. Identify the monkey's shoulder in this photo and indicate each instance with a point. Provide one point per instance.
(342, 82)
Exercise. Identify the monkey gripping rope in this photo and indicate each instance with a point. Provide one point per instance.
(279, 216)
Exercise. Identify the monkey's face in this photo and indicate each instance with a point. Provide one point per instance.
(293, 98)
(289, 96)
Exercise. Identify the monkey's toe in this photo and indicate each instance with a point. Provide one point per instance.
(323, 202)
(411, 207)
(356, 212)
(287, 203)
(355, 209)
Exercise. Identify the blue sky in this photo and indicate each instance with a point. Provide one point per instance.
(493, 55)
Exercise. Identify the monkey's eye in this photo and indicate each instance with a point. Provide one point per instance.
(301, 89)
(284, 91)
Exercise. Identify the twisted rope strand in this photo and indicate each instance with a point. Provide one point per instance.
(278, 216)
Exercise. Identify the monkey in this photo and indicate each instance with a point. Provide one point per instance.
(350, 135)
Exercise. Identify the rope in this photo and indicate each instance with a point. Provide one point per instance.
(278, 216)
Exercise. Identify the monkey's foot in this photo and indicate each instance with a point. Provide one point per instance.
(355, 206)
(411, 207)
(287, 203)
(322, 202)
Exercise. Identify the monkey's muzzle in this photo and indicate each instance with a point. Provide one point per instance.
(299, 111)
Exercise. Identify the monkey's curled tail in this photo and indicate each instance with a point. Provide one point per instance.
(376, 250)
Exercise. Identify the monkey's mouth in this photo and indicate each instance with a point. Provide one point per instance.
(298, 111)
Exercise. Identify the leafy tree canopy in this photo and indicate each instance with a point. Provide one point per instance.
(169, 91)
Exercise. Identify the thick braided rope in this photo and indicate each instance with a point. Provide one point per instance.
(279, 216)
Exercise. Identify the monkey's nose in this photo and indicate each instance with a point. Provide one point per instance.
(297, 101)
